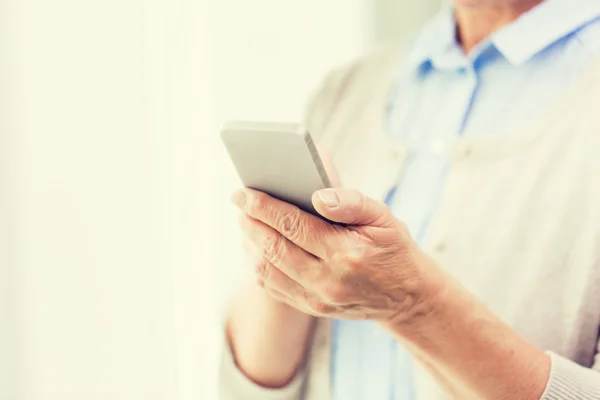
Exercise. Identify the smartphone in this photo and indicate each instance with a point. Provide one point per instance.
(279, 159)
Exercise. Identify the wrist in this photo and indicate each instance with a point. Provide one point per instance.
(278, 309)
(261, 328)
(457, 334)
(433, 295)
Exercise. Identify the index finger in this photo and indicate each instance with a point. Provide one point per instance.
(307, 231)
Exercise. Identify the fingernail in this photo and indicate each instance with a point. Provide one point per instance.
(239, 199)
(330, 198)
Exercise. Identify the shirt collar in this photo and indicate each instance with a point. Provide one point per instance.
(542, 26)
(518, 42)
(436, 37)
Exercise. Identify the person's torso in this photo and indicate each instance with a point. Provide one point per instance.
(495, 177)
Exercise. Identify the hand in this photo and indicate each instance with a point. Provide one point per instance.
(255, 255)
(368, 269)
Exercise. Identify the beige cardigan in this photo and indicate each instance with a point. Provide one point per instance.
(518, 224)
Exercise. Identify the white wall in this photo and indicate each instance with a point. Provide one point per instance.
(268, 54)
(391, 20)
(83, 154)
(8, 317)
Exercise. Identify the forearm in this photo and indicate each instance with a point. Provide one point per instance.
(269, 340)
(441, 379)
(474, 355)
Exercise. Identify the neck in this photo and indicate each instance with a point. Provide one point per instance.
(476, 22)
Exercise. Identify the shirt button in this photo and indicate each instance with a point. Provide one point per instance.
(397, 153)
(463, 151)
(439, 247)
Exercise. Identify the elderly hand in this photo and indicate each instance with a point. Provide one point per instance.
(368, 269)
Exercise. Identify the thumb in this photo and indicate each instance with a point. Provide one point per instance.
(351, 207)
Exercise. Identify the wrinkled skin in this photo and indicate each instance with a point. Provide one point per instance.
(368, 268)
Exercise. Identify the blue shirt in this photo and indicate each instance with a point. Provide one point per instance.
(442, 94)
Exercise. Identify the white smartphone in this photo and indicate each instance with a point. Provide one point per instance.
(279, 159)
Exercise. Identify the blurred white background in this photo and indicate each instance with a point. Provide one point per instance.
(118, 246)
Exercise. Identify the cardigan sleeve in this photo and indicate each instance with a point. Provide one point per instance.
(570, 381)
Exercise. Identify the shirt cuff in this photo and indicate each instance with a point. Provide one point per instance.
(571, 381)
(234, 385)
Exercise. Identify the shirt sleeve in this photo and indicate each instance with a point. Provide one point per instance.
(571, 381)
(234, 385)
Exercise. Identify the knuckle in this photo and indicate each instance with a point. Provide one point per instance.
(291, 225)
(322, 308)
(319, 307)
(349, 262)
(261, 266)
(331, 242)
(337, 257)
(337, 293)
(272, 247)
